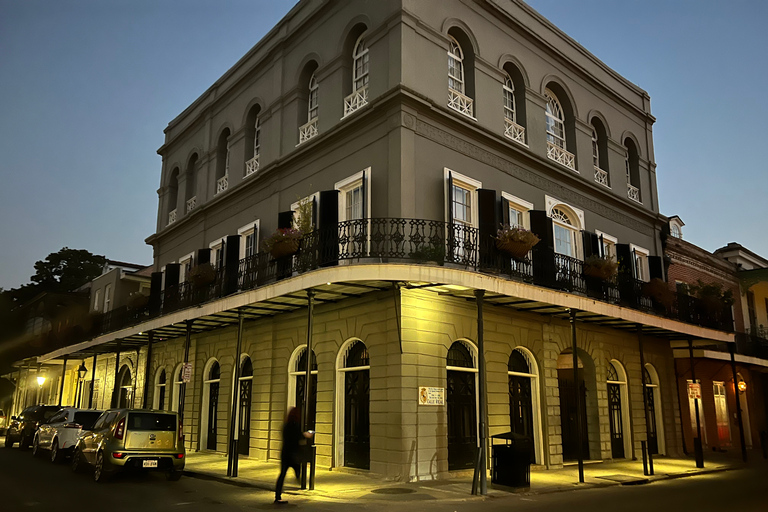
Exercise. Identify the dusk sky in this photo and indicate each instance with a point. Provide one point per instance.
(87, 87)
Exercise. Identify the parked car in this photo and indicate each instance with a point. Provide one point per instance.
(3, 421)
(60, 433)
(140, 439)
(22, 428)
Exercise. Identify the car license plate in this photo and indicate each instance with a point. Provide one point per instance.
(149, 464)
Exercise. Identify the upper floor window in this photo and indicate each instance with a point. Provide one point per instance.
(640, 263)
(555, 120)
(516, 211)
(632, 167)
(312, 103)
(309, 129)
(462, 199)
(607, 245)
(675, 231)
(509, 99)
(217, 253)
(360, 65)
(191, 192)
(249, 242)
(353, 195)
(600, 152)
(185, 265)
(595, 149)
(222, 162)
(97, 300)
(107, 297)
(567, 223)
(458, 96)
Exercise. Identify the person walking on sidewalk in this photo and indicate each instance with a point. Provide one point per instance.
(289, 455)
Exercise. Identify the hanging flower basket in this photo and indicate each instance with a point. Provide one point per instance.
(515, 241)
(600, 267)
(137, 300)
(201, 275)
(284, 248)
(283, 242)
(659, 291)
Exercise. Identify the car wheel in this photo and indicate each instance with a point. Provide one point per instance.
(36, 447)
(78, 462)
(55, 452)
(8, 441)
(24, 442)
(173, 475)
(99, 473)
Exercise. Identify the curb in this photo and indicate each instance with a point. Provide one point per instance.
(251, 485)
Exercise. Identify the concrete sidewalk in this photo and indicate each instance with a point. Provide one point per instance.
(346, 485)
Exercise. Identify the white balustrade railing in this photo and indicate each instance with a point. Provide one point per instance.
(222, 184)
(354, 101)
(460, 103)
(307, 131)
(172, 216)
(561, 156)
(191, 204)
(601, 177)
(252, 165)
(633, 192)
(514, 131)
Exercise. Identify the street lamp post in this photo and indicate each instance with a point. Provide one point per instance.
(40, 382)
(82, 371)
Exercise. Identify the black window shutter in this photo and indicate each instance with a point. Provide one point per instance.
(364, 192)
(203, 256)
(656, 267)
(591, 244)
(232, 263)
(329, 208)
(487, 222)
(285, 220)
(329, 227)
(544, 251)
(172, 275)
(504, 212)
(450, 198)
(155, 292)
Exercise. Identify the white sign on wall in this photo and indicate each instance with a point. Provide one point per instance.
(431, 396)
(694, 390)
(186, 372)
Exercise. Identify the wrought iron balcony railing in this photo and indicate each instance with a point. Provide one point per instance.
(561, 156)
(514, 131)
(252, 165)
(307, 131)
(354, 101)
(391, 240)
(460, 103)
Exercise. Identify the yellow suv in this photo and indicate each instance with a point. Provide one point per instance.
(139, 439)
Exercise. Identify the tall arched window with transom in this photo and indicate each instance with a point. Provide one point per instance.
(457, 98)
(566, 229)
(359, 96)
(512, 130)
(556, 143)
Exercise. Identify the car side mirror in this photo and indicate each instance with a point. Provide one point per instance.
(14, 418)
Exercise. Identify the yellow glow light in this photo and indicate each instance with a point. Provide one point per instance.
(742, 386)
(40, 381)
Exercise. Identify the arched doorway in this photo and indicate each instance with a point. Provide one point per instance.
(655, 421)
(461, 401)
(177, 382)
(244, 407)
(524, 417)
(159, 398)
(618, 410)
(569, 414)
(125, 388)
(297, 379)
(210, 409)
(354, 382)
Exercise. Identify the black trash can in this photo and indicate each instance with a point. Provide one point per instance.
(511, 464)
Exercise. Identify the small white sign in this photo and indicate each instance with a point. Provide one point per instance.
(186, 372)
(431, 396)
(694, 390)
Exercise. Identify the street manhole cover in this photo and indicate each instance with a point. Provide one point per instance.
(393, 490)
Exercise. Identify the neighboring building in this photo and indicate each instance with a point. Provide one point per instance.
(116, 285)
(411, 133)
(691, 266)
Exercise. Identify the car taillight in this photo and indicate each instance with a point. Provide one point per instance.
(118, 455)
(179, 455)
(72, 425)
(120, 429)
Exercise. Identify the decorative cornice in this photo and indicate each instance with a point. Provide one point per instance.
(537, 180)
(699, 265)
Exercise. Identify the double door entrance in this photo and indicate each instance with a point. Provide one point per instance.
(569, 415)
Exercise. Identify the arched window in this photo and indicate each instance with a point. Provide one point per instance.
(509, 99)
(177, 383)
(595, 149)
(243, 419)
(309, 129)
(125, 388)
(524, 405)
(360, 65)
(210, 409)
(191, 193)
(353, 405)
(618, 410)
(173, 192)
(655, 434)
(566, 229)
(297, 378)
(160, 387)
(600, 152)
(459, 95)
(222, 162)
(253, 141)
(556, 133)
(461, 405)
(312, 104)
(632, 167)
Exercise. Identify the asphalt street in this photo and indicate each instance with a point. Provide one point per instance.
(27, 483)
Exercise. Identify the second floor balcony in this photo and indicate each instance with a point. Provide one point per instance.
(356, 100)
(191, 203)
(252, 166)
(172, 216)
(461, 103)
(308, 131)
(514, 131)
(633, 192)
(222, 184)
(601, 177)
(561, 156)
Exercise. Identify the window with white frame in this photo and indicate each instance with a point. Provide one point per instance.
(607, 244)
(217, 253)
(509, 99)
(640, 262)
(595, 149)
(257, 137)
(185, 265)
(107, 297)
(555, 120)
(312, 100)
(312, 199)
(354, 194)
(567, 223)
(249, 243)
(455, 67)
(97, 300)
(517, 210)
(360, 65)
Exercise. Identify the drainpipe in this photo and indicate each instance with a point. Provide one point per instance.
(147, 366)
(115, 393)
(61, 384)
(232, 456)
(93, 382)
(645, 398)
(480, 464)
(697, 446)
(183, 386)
(308, 382)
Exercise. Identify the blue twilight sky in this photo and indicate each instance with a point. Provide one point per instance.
(87, 86)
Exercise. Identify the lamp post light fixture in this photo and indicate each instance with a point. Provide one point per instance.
(82, 371)
(40, 382)
(742, 386)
